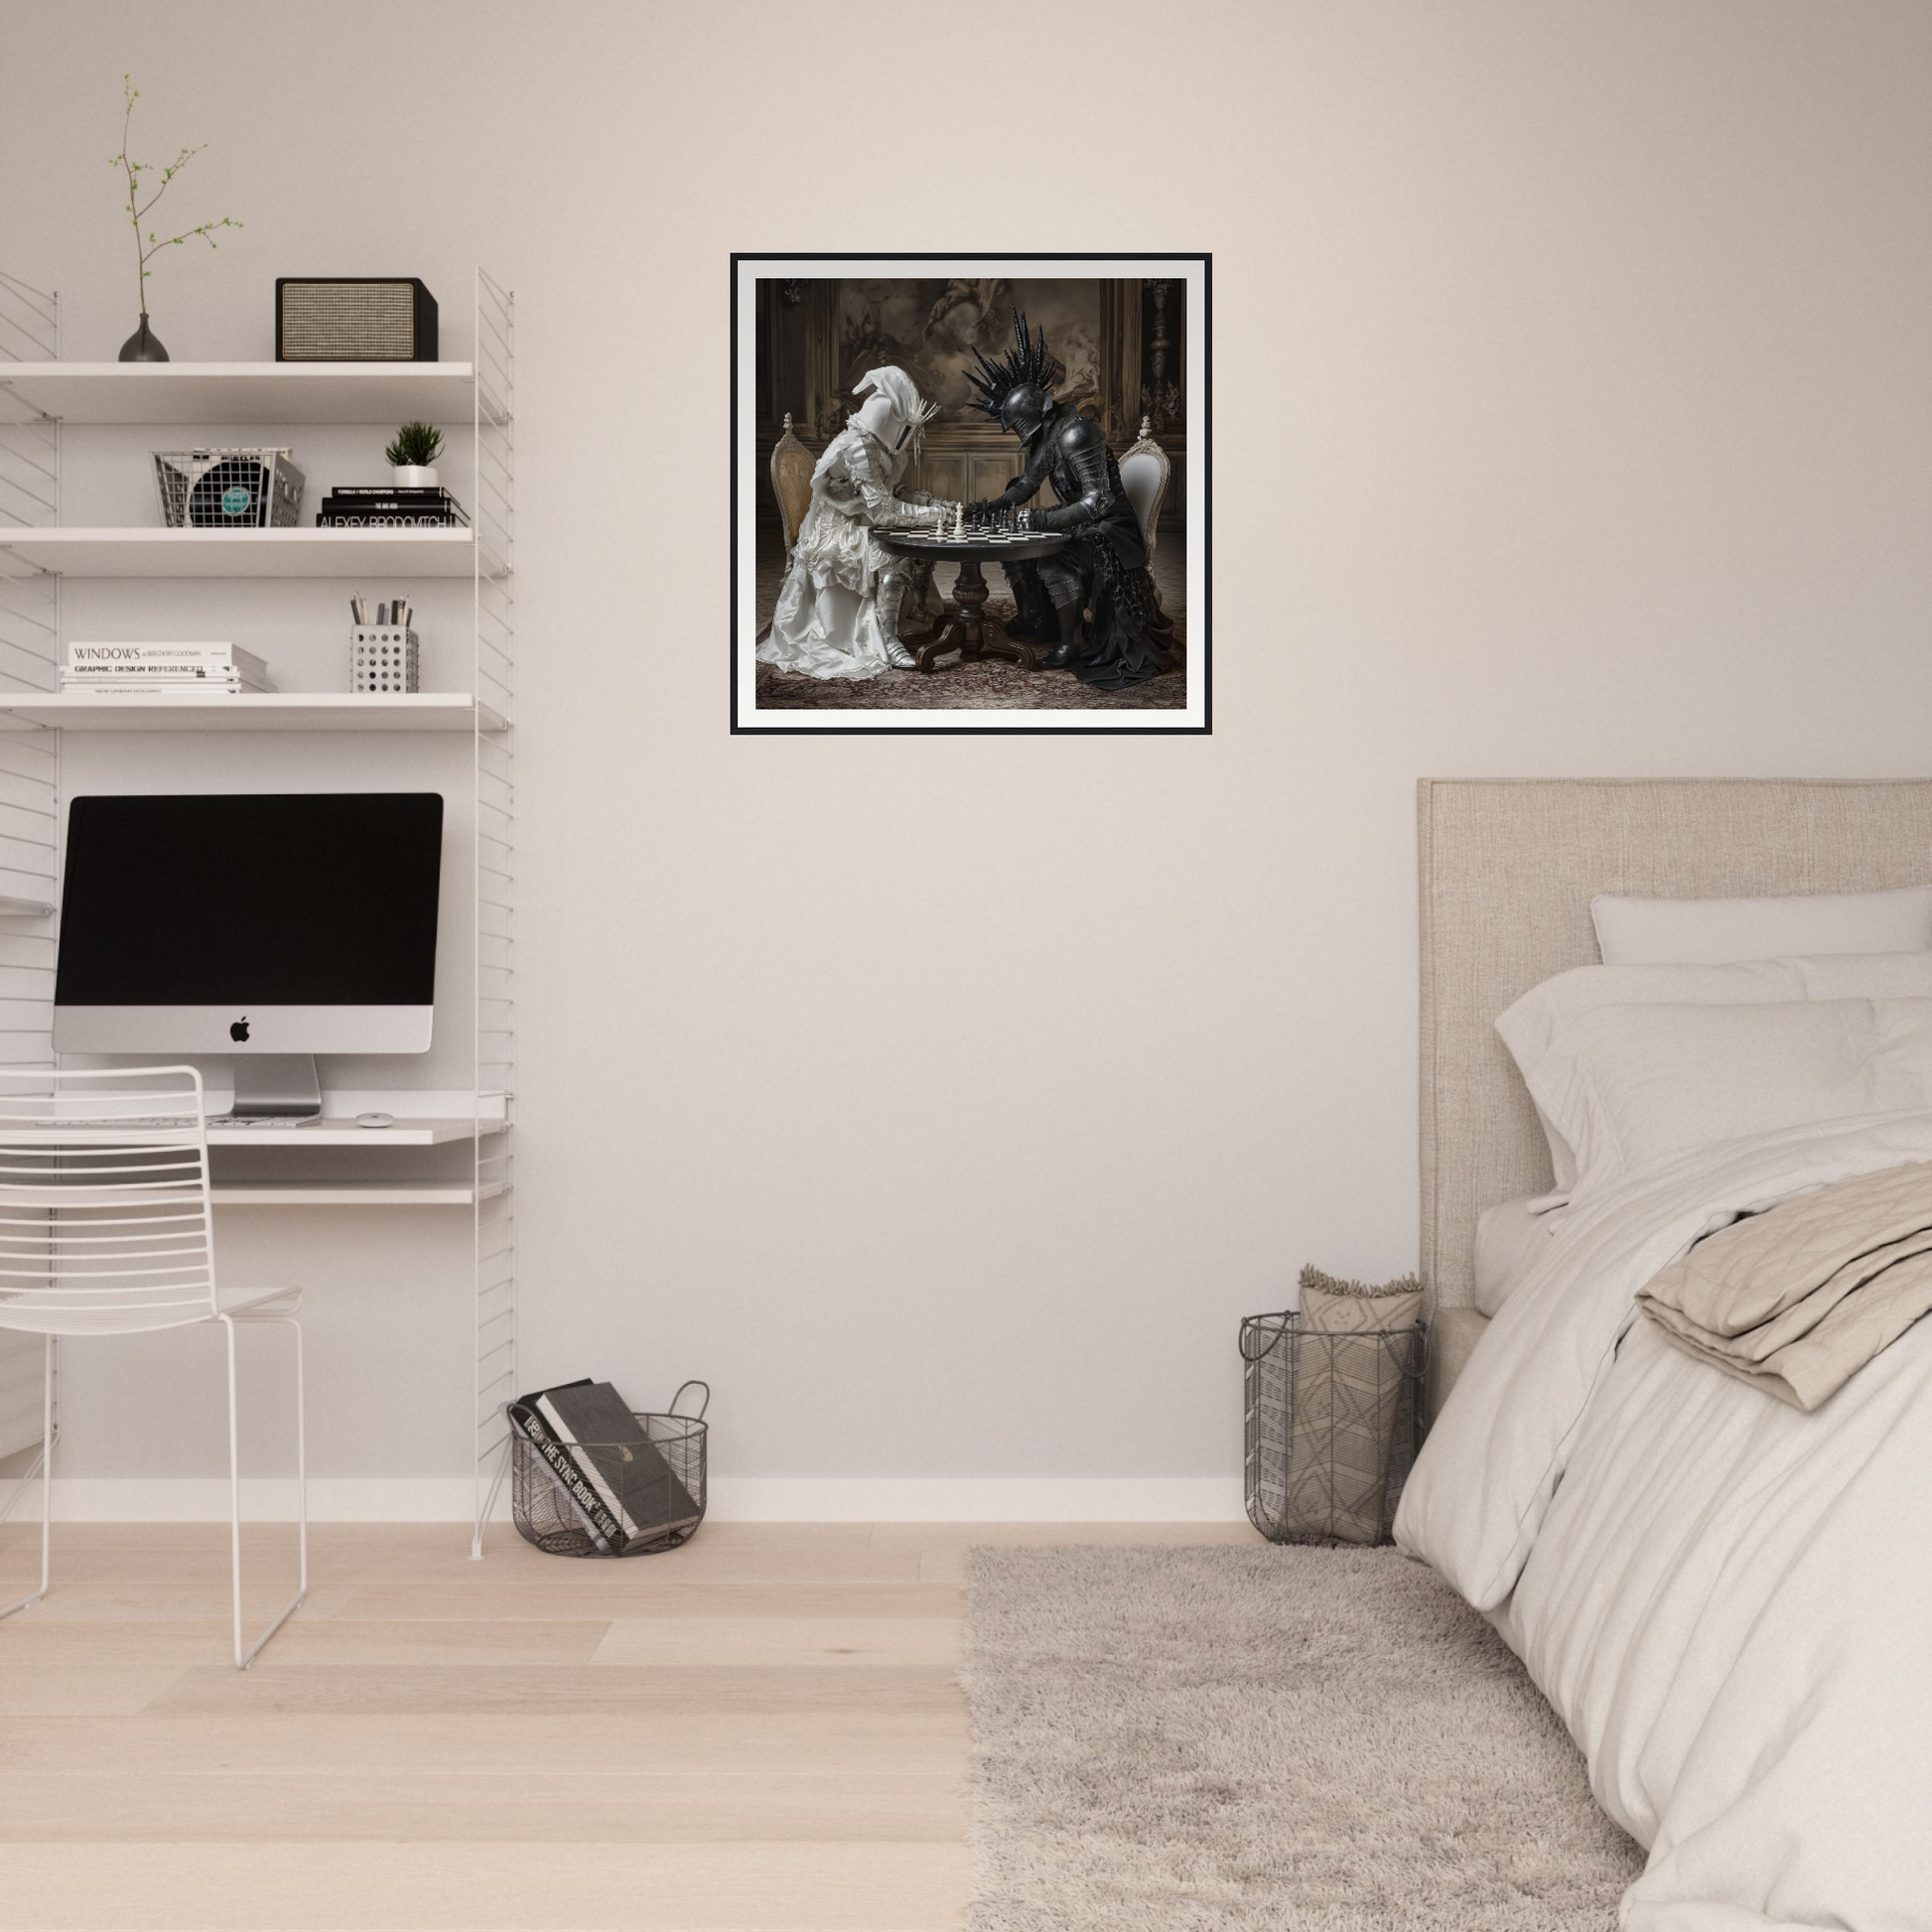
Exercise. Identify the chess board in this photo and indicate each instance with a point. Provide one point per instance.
(990, 538)
(989, 544)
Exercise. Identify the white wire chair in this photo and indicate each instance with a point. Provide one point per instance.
(107, 1229)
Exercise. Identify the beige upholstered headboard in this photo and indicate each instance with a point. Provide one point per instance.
(1507, 869)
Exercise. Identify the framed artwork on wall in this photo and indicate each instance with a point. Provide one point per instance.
(971, 494)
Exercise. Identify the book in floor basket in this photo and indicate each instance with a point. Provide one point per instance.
(617, 1478)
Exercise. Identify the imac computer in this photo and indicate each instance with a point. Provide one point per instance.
(269, 927)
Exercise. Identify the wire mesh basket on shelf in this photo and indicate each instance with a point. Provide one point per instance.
(1333, 1424)
(657, 1500)
(228, 489)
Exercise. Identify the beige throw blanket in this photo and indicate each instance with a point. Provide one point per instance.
(1797, 1300)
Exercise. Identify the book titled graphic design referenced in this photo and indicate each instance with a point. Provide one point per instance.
(163, 666)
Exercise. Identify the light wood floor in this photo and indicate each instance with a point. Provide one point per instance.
(759, 1732)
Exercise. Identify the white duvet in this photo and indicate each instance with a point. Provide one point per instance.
(1729, 1602)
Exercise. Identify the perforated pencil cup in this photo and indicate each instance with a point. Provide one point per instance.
(383, 658)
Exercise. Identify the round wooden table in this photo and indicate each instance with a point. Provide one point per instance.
(965, 628)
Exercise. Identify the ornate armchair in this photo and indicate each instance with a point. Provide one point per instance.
(1144, 475)
(1145, 472)
(791, 484)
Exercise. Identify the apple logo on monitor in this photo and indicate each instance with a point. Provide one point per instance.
(239, 1030)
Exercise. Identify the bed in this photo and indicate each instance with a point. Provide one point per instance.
(1727, 1600)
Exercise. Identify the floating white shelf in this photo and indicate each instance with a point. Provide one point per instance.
(243, 392)
(346, 1132)
(259, 710)
(349, 1193)
(390, 554)
(23, 908)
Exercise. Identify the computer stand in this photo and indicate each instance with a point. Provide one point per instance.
(276, 1086)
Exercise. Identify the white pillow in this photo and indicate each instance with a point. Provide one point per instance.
(1714, 931)
(1530, 1027)
(1627, 1083)
(1511, 1238)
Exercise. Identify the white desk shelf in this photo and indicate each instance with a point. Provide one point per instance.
(351, 1194)
(46, 562)
(257, 710)
(381, 393)
(106, 552)
(438, 1132)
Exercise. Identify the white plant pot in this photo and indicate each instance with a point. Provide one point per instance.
(413, 475)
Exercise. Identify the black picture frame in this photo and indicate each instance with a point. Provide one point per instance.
(1200, 432)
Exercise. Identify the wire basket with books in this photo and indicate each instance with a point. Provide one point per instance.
(589, 1476)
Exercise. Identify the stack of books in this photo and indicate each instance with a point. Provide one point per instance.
(617, 1484)
(381, 506)
(201, 668)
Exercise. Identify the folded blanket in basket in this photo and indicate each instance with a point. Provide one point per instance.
(1348, 1382)
(1797, 1299)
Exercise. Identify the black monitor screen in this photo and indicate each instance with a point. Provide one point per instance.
(277, 898)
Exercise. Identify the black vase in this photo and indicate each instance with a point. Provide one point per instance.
(144, 346)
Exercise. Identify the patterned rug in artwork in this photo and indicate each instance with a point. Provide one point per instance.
(989, 684)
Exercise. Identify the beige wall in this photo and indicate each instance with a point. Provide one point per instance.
(945, 1100)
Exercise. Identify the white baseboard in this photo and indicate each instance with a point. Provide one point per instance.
(205, 1500)
(977, 1499)
(733, 1499)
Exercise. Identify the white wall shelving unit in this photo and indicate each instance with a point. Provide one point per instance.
(39, 394)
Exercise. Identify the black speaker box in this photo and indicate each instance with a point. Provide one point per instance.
(353, 318)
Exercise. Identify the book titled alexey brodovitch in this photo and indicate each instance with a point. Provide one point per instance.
(617, 1482)
(377, 507)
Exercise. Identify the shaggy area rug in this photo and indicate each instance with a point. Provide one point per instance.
(1298, 1740)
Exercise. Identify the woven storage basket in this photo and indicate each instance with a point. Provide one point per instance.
(1316, 1484)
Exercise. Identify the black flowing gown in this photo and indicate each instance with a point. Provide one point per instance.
(1130, 638)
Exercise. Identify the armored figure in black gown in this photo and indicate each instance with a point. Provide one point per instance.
(1103, 569)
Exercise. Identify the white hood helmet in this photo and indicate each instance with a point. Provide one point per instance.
(895, 414)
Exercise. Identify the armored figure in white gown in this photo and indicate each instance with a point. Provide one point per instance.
(838, 611)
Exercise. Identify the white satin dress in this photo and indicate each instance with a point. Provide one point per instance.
(832, 620)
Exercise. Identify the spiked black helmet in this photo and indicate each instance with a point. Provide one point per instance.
(1014, 391)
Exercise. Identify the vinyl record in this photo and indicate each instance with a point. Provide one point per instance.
(229, 492)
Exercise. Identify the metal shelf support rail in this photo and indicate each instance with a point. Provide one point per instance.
(492, 506)
(30, 781)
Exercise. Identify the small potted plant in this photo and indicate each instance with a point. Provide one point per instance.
(412, 455)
